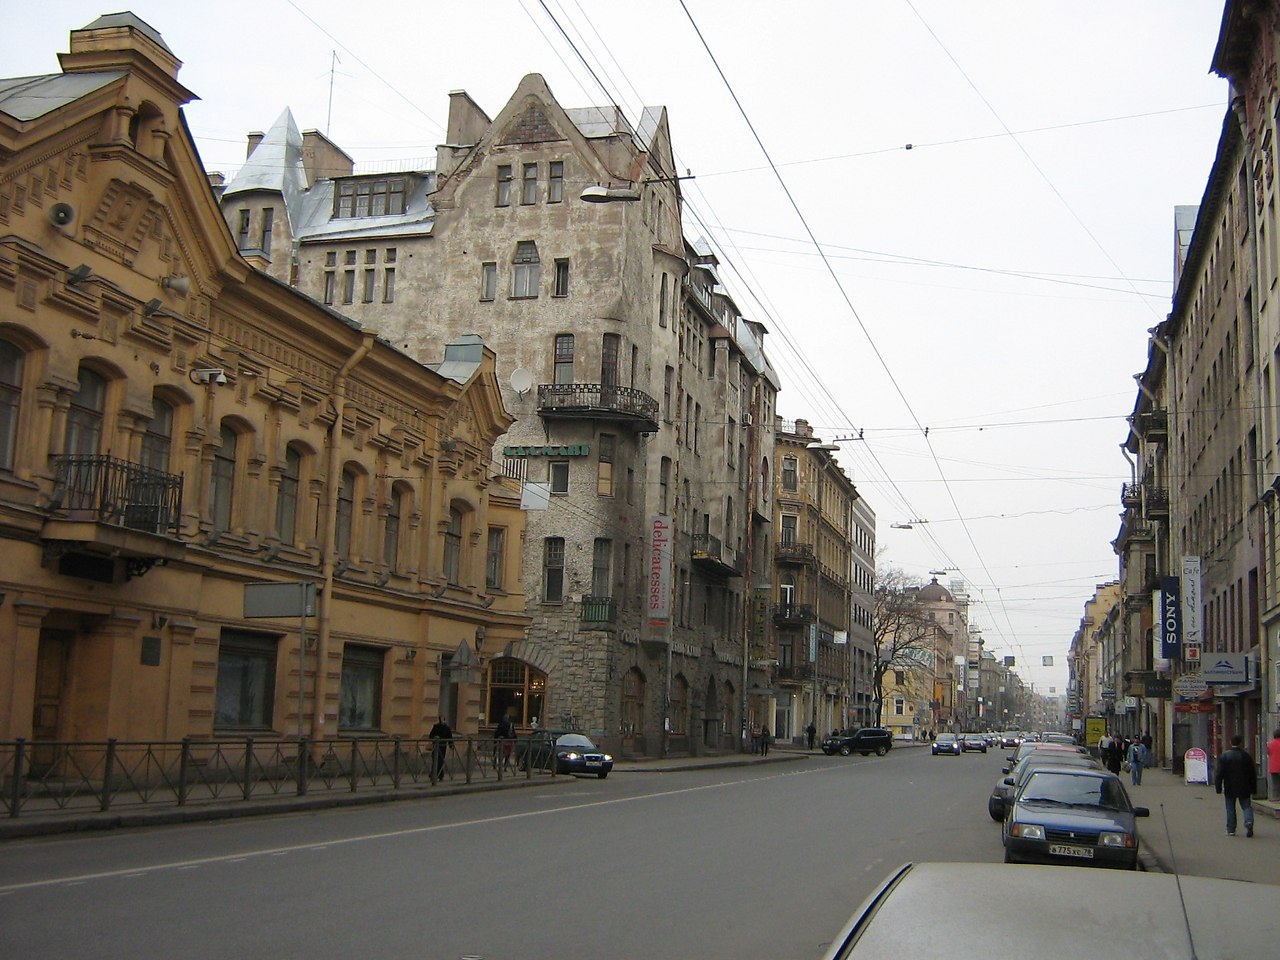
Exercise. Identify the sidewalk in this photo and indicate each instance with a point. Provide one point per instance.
(1196, 841)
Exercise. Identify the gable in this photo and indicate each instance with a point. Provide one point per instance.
(534, 125)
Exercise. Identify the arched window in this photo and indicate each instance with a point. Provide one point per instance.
(517, 690)
(223, 479)
(346, 514)
(157, 439)
(84, 418)
(453, 546)
(11, 364)
(396, 505)
(632, 713)
(679, 704)
(287, 496)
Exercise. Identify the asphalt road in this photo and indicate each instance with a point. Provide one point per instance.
(743, 862)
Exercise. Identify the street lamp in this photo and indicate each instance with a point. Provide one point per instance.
(628, 194)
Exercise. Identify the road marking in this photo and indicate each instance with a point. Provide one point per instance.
(241, 856)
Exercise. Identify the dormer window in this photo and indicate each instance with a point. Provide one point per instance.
(374, 197)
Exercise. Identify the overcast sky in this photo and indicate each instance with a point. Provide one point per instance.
(975, 304)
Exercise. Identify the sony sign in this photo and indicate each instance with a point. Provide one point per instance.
(1170, 619)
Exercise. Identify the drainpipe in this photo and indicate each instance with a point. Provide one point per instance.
(324, 603)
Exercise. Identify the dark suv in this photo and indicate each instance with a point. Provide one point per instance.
(864, 741)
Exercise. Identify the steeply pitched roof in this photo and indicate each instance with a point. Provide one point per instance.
(275, 164)
(127, 19)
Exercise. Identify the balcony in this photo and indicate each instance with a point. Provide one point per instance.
(795, 671)
(1153, 425)
(103, 510)
(1153, 500)
(598, 610)
(801, 553)
(711, 555)
(598, 401)
(790, 614)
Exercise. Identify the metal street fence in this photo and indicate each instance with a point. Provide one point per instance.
(50, 777)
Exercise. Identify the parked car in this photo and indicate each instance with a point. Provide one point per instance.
(1075, 816)
(1007, 786)
(864, 741)
(973, 742)
(565, 753)
(946, 743)
(1025, 748)
(1065, 914)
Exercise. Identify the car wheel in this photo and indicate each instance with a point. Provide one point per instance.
(602, 774)
(881, 750)
(845, 750)
(996, 813)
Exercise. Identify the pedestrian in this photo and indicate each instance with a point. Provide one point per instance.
(1235, 780)
(1104, 747)
(811, 731)
(505, 733)
(764, 740)
(1114, 755)
(1137, 758)
(755, 737)
(440, 736)
(1273, 763)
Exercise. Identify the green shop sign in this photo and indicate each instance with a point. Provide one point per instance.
(570, 450)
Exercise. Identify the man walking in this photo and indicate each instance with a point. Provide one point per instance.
(1235, 780)
(440, 736)
(812, 731)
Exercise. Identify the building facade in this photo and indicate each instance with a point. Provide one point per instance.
(179, 428)
(643, 400)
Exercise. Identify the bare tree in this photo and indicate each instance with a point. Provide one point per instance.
(901, 631)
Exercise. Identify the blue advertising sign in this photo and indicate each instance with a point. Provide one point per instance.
(1170, 619)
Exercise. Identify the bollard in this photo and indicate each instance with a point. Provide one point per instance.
(184, 765)
(395, 763)
(246, 783)
(108, 770)
(302, 766)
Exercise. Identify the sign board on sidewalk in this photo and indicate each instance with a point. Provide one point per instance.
(1196, 764)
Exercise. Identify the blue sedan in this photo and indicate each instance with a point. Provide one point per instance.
(1075, 816)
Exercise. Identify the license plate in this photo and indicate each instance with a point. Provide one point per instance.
(1063, 850)
(596, 763)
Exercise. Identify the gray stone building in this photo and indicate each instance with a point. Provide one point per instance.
(642, 397)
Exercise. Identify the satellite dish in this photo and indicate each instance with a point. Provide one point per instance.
(521, 380)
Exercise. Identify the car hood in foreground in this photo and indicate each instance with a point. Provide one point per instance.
(1075, 914)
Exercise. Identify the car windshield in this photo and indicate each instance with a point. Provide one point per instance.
(575, 740)
(1076, 790)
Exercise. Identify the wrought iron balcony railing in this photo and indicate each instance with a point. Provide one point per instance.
(790, 552)
(796, 671)
(118, 493)
(598, 401)
(598, 609)
(793, 613)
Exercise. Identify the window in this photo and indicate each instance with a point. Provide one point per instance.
(330, 286)
(899, 707)
(223, 479)
(287, 496)
(525, 273)
(529, 183)
(789, 527)
(157, 438)
(515, 690)
(268, 220)
(244, 693)
(348, 286)
(349, 258)
(662, 303)
(390, 256)
(345, 519)
(604, 465)
(789, 473)
(371, 256)
(504, 186)
(242, 234)
(85, 416)
(697, 426)
(668, 381)
(553, 570)
(11, 364)
(561, 288)
(555, 181)
(391, 530)
(360, 700)
(453, 546)
(610, 345)
(601, 564)
(664, 481)
(563, 358)
(389, 285)
(488, 281)
(559, 476)
(368, 286)
(495, 557)
(370, 198)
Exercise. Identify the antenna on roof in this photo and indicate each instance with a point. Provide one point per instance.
(328, 117)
